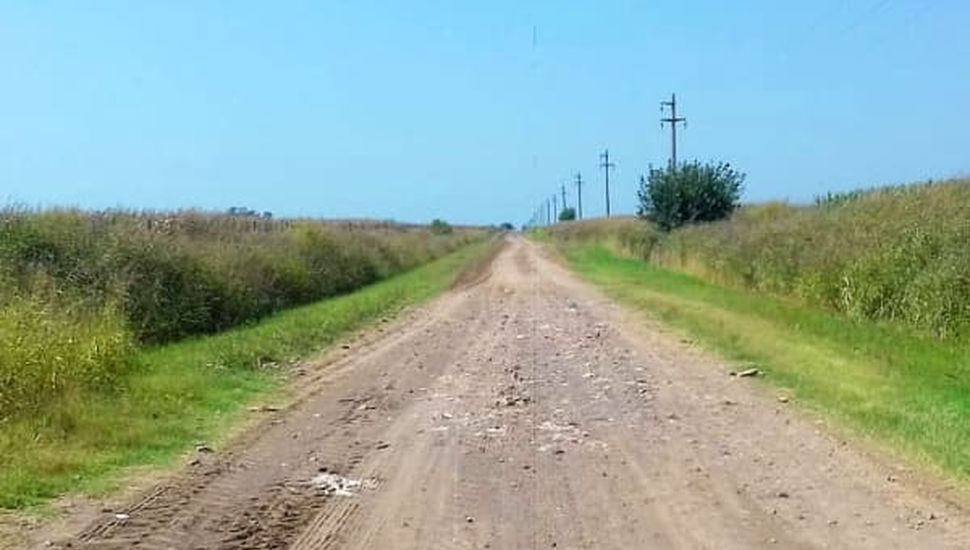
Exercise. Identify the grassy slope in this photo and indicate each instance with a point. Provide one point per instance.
(900, 254)
(908, 392)
(189, 391)
(894, 253)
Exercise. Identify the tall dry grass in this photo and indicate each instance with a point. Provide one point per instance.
(49, 349)
(900, 254)
(623, 235)
(78, 290)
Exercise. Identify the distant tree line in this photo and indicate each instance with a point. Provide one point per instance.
(247, 212)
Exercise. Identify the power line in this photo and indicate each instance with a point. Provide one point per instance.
(579, 195)
(607, 166)
(673, 120)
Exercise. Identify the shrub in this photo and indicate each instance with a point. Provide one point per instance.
(690, 193)
(567, 214)
(440, 227)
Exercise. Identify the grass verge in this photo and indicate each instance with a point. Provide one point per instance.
(903, 391)
(189, 391)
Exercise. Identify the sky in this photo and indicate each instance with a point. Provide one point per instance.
(474, 112)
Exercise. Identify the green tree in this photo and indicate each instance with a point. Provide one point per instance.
(690, 193)
(440, 227)
(567, 214)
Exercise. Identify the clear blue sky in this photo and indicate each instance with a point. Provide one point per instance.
(414, 110)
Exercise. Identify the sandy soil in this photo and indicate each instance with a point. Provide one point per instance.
(527, 411)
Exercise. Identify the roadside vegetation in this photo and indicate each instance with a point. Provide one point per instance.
(104, 360)
(897, 388)
(691, 192)
(898, 254)
(857, 306)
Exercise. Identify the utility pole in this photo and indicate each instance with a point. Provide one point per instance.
(548, 212)
(564, 196)
(673, 120)
(555, 208)
(579, 195)
(607, 166)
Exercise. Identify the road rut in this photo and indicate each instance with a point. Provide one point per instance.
(527, 411)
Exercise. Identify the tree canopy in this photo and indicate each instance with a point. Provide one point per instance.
(690, 193)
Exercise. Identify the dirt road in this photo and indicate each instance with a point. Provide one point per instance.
(527, 411)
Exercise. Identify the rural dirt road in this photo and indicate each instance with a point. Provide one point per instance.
(527, 411)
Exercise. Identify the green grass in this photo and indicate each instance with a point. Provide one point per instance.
(907, 392)
(189, 391)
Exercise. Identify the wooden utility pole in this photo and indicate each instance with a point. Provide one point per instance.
(555, 208)
(564, 196)
(579, 195)
(673, 120)
(607, 166)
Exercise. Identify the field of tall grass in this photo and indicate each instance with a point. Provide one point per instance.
(899, 254)
(81, 291)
